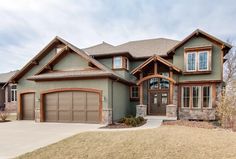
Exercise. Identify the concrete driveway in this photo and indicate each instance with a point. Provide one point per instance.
(19, 137)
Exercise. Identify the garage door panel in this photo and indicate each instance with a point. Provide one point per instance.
(65, 101)
(92, 116)
(65, 116)
(51, 99)
(51, 116)
(93, 99)
(79, 100)
(79, 116)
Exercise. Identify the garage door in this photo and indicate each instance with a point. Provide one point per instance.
(28, 105)
(72, 106)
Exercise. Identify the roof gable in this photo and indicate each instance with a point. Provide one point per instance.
(74, 62)
(197, 33)
(155, 58)
(36, 59)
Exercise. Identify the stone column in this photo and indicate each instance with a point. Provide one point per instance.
(171, 111)
(107, 116)
(141, 110)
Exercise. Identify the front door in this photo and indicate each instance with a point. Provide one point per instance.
(157, 103)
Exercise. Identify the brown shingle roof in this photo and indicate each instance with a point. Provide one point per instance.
(4, 77)
(69, 74)
(140, 48)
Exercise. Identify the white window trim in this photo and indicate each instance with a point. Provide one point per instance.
(200, 97)
(195, 61)
(14, 93)
(121, 62)
(201, 52)
(182, 97)
(210, 96)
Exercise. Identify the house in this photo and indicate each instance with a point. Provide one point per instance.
(8, 93)
(103, 83)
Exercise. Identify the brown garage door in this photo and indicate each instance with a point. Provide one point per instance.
(72, 106)
(28, 106)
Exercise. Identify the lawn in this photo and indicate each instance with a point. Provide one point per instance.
(169, 142)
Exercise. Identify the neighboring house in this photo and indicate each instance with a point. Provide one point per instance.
(63, 83)
(8, 92)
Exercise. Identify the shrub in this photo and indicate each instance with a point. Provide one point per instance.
(138, 121)
(141, 118)
(122, 120)
(4, 114)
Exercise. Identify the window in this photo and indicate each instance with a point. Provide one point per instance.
(117, 62)
(164, 98)
(206, 96)
(134, 92)
(191, 61)
(164, 83)
(186, 97)
(153, 83)
(196, 94)
(198, 61)
(200, 96)
(120, 62)
(203, 61)
(13, 93)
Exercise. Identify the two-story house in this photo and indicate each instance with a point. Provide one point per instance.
(63, 83)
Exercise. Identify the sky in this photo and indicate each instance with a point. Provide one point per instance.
(26, 26)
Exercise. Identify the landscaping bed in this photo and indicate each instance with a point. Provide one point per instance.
(127, 122)
(197, 124)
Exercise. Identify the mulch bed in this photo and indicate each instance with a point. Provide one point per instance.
(121, 125)
(1, 121)
(197, 124)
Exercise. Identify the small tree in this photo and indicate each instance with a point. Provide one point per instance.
(227, 105)
(225, 109)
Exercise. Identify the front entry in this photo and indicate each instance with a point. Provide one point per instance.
(157, 103)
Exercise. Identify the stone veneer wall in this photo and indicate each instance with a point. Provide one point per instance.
(197, 114)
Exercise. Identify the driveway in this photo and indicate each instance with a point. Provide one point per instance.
(19, 137)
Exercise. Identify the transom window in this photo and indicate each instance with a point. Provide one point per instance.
(120, 62)
(134, 92)
(196, 96)
(159, 83)
(198, 61)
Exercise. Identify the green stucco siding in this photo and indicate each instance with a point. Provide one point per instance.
(216, 67)
(121, 102)
(107, 62)
(71, 61)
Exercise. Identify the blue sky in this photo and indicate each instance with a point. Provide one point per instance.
(28, 25)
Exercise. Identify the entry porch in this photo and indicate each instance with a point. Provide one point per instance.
(156, 80)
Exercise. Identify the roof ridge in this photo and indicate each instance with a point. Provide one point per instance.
(147, 40)
(103, 42)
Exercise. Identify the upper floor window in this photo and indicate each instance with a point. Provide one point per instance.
(191, 58)
(120, 62)
(203, 61)
(117, 62)
(198, 61)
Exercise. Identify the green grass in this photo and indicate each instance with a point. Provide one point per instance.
(166, 142)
